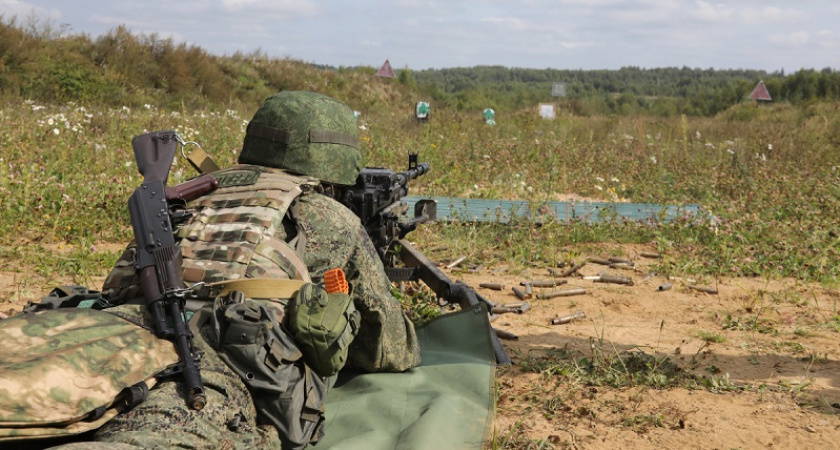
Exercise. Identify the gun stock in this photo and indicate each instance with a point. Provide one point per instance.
(445, 288)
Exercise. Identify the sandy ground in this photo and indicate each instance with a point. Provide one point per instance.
(784, 382)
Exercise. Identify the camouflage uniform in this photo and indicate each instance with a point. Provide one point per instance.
(228, 421)
(260, 223)
(335, 238)
(222, 242)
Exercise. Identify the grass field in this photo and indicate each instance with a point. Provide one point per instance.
(769, 176)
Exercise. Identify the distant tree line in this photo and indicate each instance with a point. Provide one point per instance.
(48, 64)
(630, 90)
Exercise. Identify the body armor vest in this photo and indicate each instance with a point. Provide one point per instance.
(237, 230)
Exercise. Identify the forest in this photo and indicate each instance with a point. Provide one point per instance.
(665, 91)
(44, 63)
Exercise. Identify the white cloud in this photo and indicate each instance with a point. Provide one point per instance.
(573, 45)
(772, 15)
(711, 12)
(509, 23)
(795, 39)
(25, 10)
(286, 7)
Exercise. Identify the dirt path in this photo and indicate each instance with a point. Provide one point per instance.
(776, 341)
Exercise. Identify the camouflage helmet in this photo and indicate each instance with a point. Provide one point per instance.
(306, 133)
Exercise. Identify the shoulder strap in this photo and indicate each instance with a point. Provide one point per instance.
(201, 161)
(257, 287)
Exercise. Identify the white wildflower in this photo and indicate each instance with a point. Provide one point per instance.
(599, 179)
(56, 132)
(769, 146)
(599, 187)
(614, 180)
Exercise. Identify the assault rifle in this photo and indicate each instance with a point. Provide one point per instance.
(154, 207)
(377, 198)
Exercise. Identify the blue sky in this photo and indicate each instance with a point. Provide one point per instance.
(562, 34)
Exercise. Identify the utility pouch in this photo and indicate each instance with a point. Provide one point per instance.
(287, 394)
(323, 325)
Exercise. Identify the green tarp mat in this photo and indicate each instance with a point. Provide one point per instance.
(446, 403)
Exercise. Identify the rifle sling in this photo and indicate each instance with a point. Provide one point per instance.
(258, 287)
(201, 161)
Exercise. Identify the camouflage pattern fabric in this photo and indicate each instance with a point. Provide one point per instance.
(335, 238)
(306, 133)
(236, 232)
(331, 236)
(228, 421)
(100, 352)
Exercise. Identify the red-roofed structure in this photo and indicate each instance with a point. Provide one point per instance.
(385, 71)
(760, 92)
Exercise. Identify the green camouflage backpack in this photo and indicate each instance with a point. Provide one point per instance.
(67, 371)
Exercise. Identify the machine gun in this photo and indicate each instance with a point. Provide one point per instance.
(154, 207)
(377, 198)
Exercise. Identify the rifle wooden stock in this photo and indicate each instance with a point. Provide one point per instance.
(191, 189)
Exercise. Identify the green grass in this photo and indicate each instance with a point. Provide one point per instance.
(771, 183)
(712, 338)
